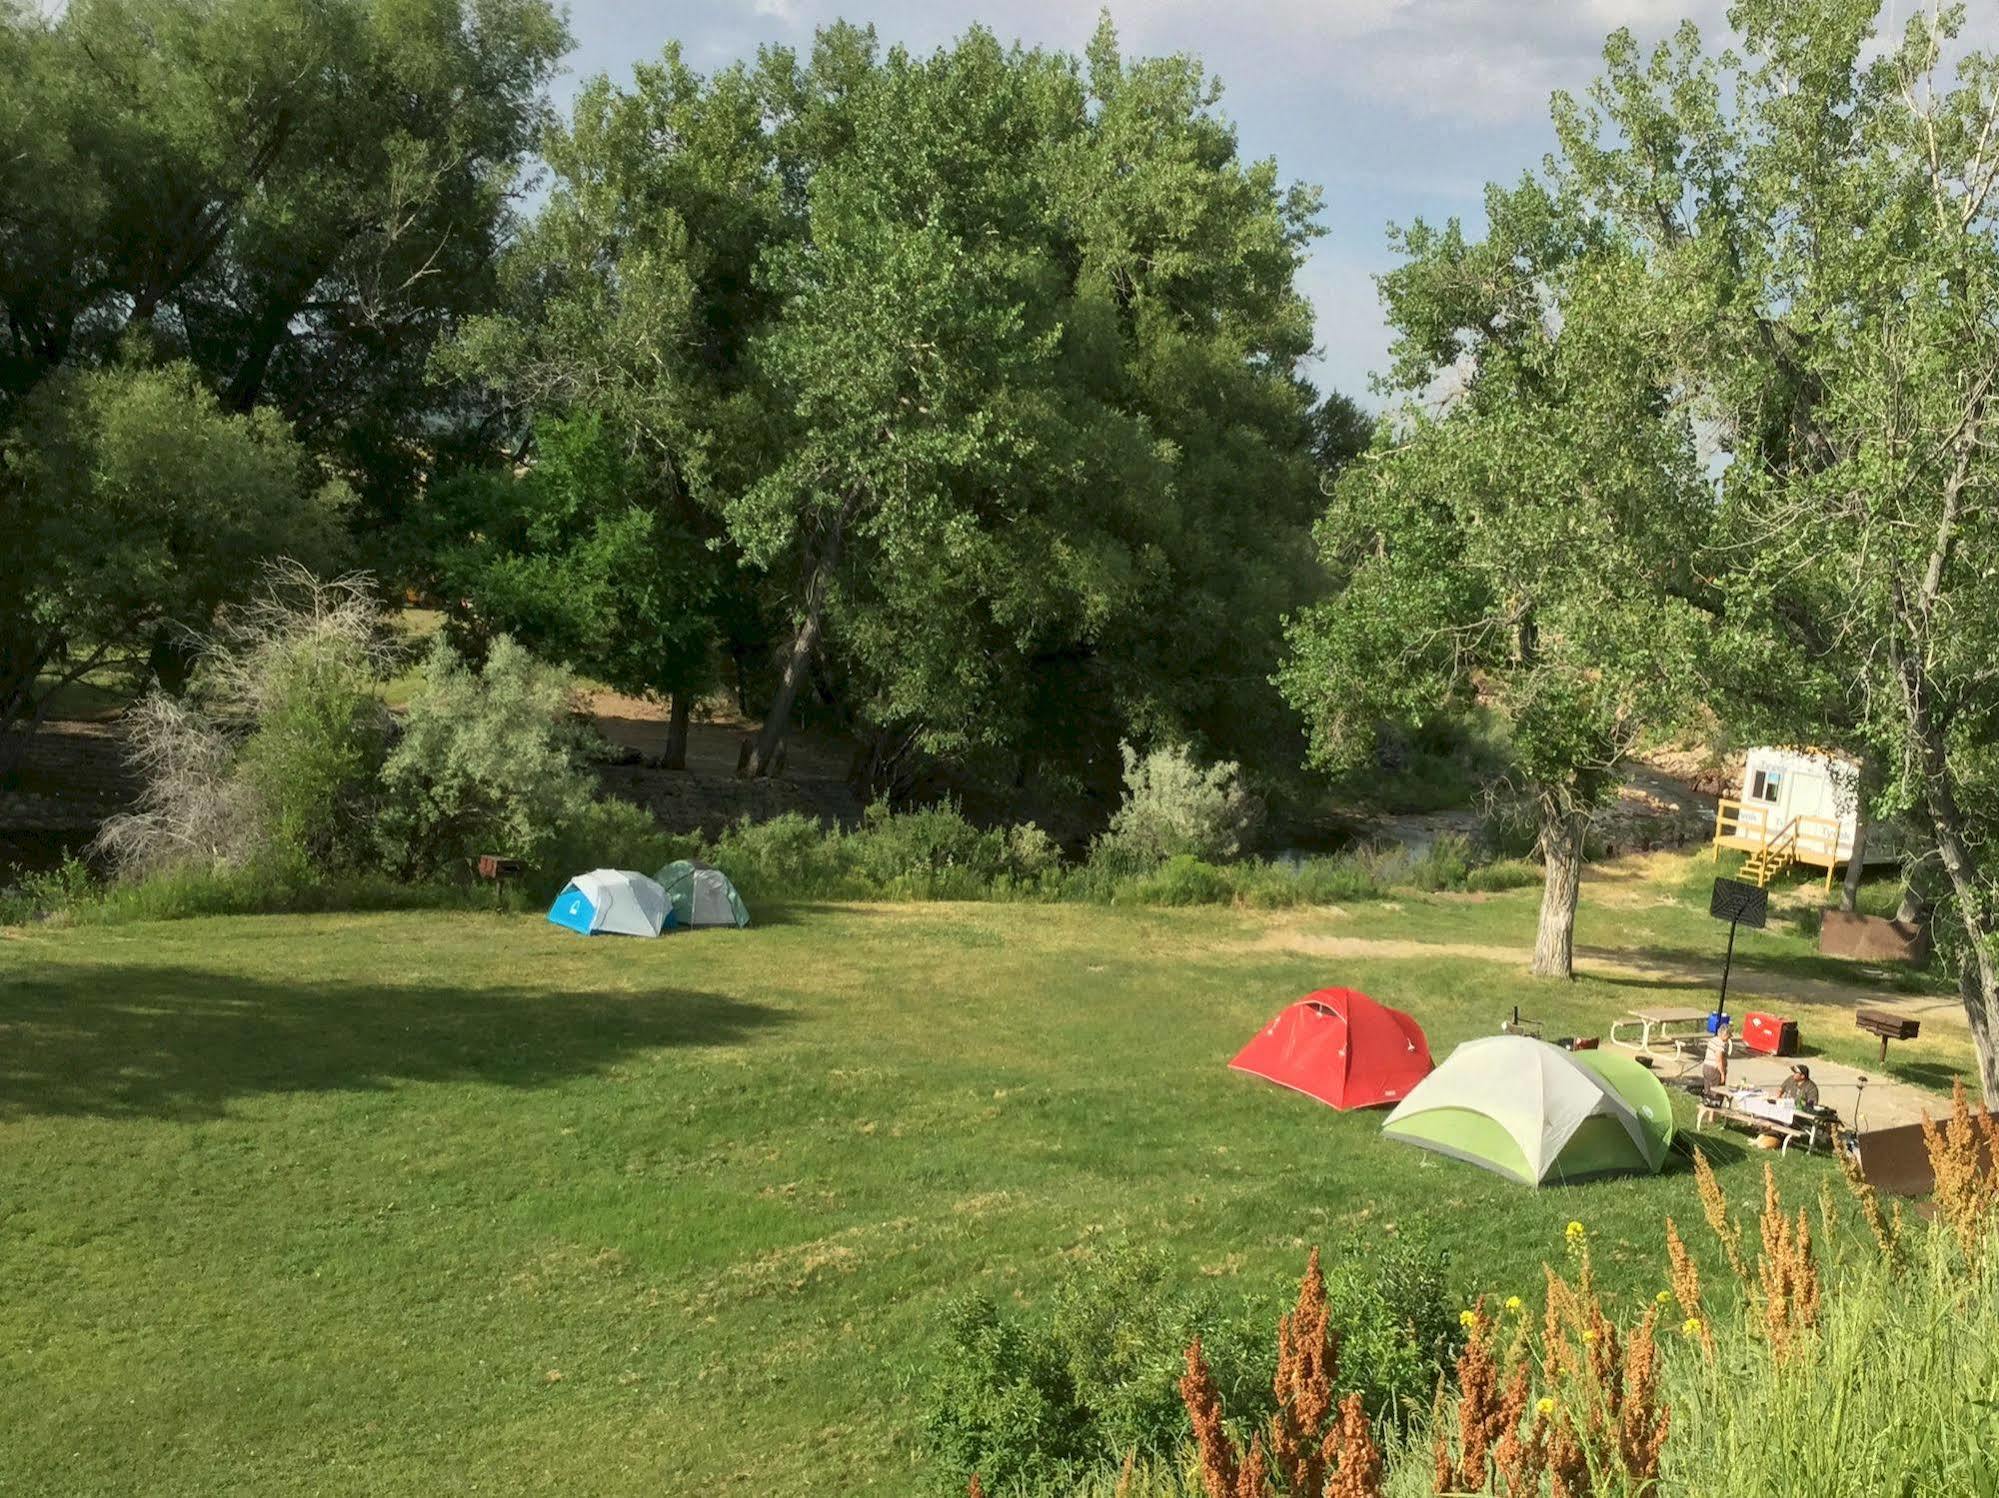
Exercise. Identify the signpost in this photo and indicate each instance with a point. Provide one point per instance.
(1738, 904)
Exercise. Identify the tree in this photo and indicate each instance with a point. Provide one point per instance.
(1819, 221)
(134, 504)
(977, 371)
(1530, 544)
(577, 560)
(297, 198)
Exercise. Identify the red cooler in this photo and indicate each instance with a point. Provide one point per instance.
(1770, 1034)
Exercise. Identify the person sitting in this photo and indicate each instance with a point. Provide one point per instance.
(1799, 1087)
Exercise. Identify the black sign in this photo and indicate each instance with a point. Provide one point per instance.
(1735, 901)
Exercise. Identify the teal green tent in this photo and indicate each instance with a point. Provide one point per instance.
(1641, 1091)
(702, 896)
(1533, 1113)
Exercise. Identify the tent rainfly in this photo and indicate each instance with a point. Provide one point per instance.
(1340, 1047)
(612, 901)
(1534, 1113)
(702, 896)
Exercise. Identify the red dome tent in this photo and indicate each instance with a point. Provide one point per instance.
(1341, 1048)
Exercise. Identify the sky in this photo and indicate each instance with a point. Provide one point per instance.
(1397, 109)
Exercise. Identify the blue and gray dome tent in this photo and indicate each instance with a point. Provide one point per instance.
(612, 902)
(702, 896)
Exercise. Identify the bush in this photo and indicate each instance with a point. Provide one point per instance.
(1004, 1405)
(273, 757)
(487, 763)
(611, 833)
(47, 894)
(1398, 1324)
(1182, 880)
(1444, 864)
(931, 854)
(1173, 806)
(789, 857)
(1507, 873)
(1035, 1406)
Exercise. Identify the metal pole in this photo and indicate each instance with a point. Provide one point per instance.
(1726, 963)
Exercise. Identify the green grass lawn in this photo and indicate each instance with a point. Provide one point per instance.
(417, 1203)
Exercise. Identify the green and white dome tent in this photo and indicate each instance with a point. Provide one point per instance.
(1534, 1113)
(702, 896)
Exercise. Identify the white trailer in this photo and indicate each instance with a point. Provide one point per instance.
(1796, 806)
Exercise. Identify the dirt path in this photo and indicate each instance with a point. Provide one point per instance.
(1939, 1010)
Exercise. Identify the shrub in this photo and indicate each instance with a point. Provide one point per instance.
(273, 757)
(1173, 806)
(611, 833)
(788, 857)
(1004, 1405)
(1325, 881)
(1445, 863)
(929, 854)
(1506, 873)
(45, 894)
(1182, 880)
(487, 763)
(1034, 1405)
(1398, 1325)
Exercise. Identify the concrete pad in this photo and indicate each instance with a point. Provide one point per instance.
(1882, 1104)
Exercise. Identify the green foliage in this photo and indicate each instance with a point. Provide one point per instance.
(1391, 1300)
(486, 763)
(312, 759)
(47, 894)
(297, 197)
(134, 504)
(583, 560)
(1821, 245)
(1004, 1405)
(1173, 806)
(980, 369)
(1503, 874)
(273, 758)
(1182, 880)
(1037, 1403)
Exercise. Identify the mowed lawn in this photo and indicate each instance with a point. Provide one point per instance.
(417, 1204)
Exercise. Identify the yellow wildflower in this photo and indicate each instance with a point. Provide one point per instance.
(1468, 1318)
(1691, 1326)
(1515, 1304)
(1544, 1405)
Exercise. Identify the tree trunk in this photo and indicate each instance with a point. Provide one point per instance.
(1849, 892)
(1562, 835)
(1978, 979)
(674, 756)
(1910, 911)
(769, 747)
(1975, 988)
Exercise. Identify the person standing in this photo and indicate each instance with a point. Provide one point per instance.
(1714, 1067)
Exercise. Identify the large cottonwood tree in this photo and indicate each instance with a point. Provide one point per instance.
(1820, 219)
(1524, 532)
(981, 367)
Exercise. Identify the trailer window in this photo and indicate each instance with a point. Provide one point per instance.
(1765, 785)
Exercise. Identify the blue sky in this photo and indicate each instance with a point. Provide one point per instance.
(1396, 108)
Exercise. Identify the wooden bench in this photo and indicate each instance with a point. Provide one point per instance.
(1887, 1026)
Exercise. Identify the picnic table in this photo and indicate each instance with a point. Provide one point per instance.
(1757, 1113)
(1657, 1027)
